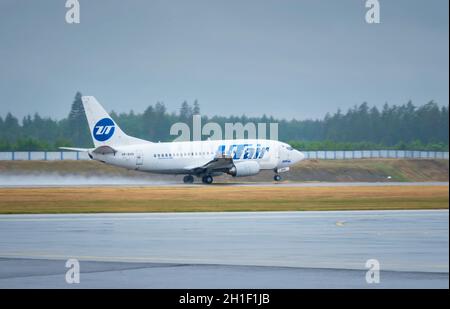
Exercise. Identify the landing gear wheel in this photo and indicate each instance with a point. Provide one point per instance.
(207, 179)
(188, 179)
(277, 178)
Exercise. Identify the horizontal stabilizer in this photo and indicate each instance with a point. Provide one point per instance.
(75, 149)
(99, 150)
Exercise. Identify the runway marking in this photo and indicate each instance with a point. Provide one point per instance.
(340, 223)
(204, 262)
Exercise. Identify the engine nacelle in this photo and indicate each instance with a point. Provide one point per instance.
(241, 169)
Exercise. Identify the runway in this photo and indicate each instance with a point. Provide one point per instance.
(227, 250)
(58, 180)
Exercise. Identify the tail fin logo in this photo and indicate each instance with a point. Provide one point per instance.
(103, 130)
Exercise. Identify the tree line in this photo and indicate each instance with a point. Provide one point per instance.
(362, 127)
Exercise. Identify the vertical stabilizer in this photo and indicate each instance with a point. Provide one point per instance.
(104, 130)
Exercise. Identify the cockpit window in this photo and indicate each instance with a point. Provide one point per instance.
(289, 148)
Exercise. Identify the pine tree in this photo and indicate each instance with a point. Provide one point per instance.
(77, 126)
(185, 112)
(196, 109)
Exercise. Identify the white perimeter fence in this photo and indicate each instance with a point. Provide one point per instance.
(320, 155)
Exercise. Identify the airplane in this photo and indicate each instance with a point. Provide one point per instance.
(203, 159)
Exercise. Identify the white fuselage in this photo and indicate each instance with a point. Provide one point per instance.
(179, 157)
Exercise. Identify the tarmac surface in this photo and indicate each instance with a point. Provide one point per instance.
(49, 180)
(227, 250)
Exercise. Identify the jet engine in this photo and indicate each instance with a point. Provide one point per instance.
(241, 169)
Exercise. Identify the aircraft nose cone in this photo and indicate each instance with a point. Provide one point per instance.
(299, 156)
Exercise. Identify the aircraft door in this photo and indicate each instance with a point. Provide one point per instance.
(139, 157)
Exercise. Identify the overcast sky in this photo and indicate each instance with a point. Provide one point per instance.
(284, 58)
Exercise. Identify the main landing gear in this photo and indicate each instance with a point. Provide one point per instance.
(207, 179)
(277, 177)
(188, 179)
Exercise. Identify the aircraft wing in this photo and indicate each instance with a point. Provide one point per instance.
(218, 164)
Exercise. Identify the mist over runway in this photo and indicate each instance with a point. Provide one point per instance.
(59, 180)
(227, 250)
